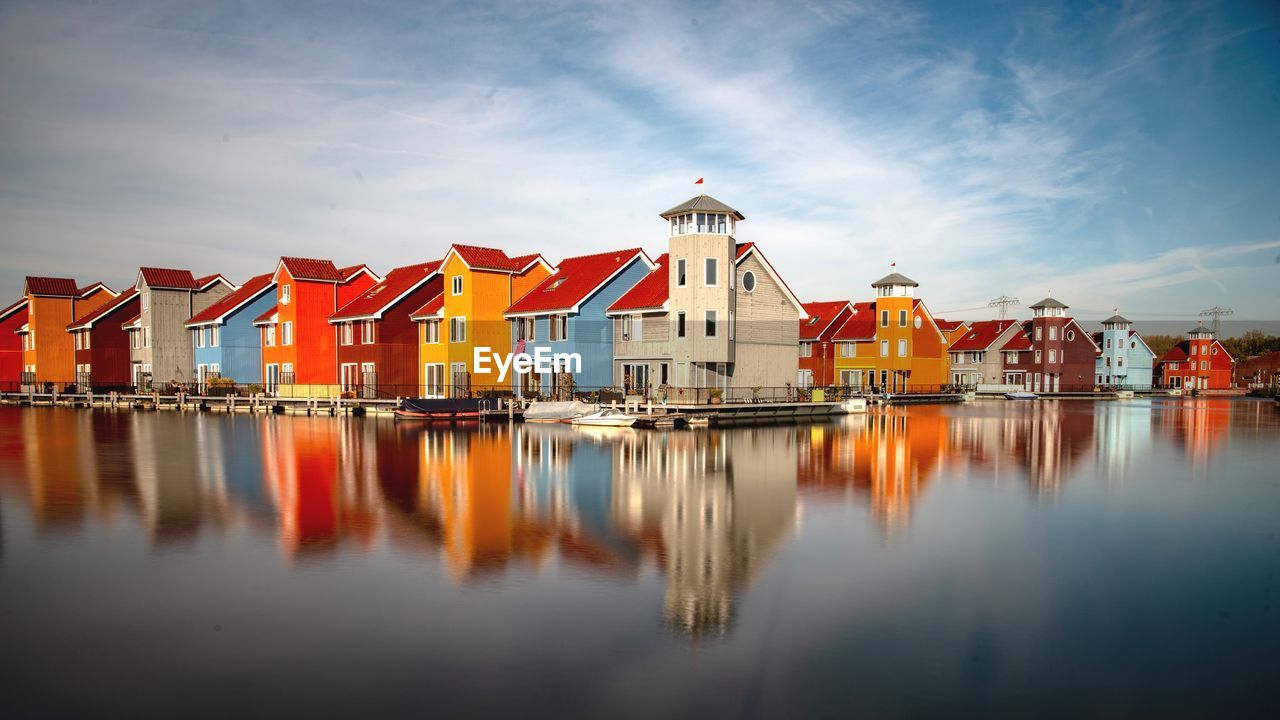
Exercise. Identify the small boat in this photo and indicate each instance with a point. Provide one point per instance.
(1021, 395)
(852, 406)
(606, 417)
(438, 410)
(557, 411)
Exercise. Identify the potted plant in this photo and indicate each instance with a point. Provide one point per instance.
(716, 394)
(755, 393)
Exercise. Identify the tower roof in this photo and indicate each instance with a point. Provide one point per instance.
(1049, 303)
(702, 203)
(1200, 330)
(1116, 320)
(895, 278)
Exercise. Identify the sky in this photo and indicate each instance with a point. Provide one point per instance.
(1116, 155)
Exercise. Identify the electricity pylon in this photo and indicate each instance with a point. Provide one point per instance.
(1004, 302)
(1217, 313)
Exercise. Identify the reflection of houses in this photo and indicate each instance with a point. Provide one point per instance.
(1199, 426)
(167, 474)
(720, 504)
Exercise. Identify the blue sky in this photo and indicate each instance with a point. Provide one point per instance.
(1117, 155)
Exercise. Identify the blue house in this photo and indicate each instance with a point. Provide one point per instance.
(225, 340)
(565, 314)
(1124, 358)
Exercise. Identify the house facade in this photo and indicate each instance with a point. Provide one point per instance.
(1200, 362)
(565, 313)
(892, 344)
(299, 346)
(1261, 371)
(102, 345)
(817, 346)
(12, 319)
(1052, 353)
(377, 338)
(479, 285)
(1123, 359)
(224, 340)
(48, 354)
(160, 344)
(977, 357)
(645, 351)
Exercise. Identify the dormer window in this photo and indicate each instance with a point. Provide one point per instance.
(285, 294)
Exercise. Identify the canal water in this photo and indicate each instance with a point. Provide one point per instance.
(1048, 559)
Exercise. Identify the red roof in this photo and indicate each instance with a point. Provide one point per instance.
(650, 292)
(207, 280)
(266, 317)
(104, 310)
(429, 309)
(1178, 352)
(821, 315)
(1021, 341)
(861, 325)
(131, 321)
(169, 279)
(311, 269)
(95, 287)
(52, 287)
(520, 262)
(395, 285)
(948, 325)
(981, 335)
(574, 280)
(483, 258)
(216, 312)
(351, 271)
(742, 249)
(13, 308)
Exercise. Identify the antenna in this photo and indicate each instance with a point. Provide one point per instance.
(1004, 302)
(1217, 313)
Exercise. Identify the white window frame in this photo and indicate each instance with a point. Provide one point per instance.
(368, 333)
(806, 349)
(455, 285)
(214, 336)
(270, 336)
(682, 273)
(286, 333)
(431, 333)
(346, 335)
(458, 329)
(884, 348)
(902, 348)
(286, 294)
(711, 321)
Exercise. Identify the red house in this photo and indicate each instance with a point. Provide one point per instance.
(299, 347)
(102, 344)
(1198, 363)
(377, 338)
(12, 319)
(1053, 351)
(1262, 371)
(817, 351)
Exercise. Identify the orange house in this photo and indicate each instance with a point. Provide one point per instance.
(893, 344)
(48, 350)
(299, 346)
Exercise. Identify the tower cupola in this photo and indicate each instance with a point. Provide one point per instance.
(1049, 307)
(702, 214)
(895, 284)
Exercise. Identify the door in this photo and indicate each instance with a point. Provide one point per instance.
(369, 380)
(273, 377)
(804, 378)
(202, 375)
(433, 380)
(459, 383)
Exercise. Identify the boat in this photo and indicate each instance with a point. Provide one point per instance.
(1021, 395)
(439, 409)
(557, 411)
(853, 406)
(605, 417)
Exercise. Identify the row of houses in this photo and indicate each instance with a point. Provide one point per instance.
(709, 316)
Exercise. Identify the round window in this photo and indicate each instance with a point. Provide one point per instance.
(1071, 334)
(749, 281)
(919, 322)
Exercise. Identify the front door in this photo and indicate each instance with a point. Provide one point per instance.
(273, 377)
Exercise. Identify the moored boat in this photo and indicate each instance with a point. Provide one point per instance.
(605, 417)
(1021, 395)
(557, 411)
(439, 409)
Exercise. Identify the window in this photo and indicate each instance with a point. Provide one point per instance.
(345, 334)
(1037, 356)
(1108, 343)
(711, 272)
(213, 336)
(457, 330)
(679, 324)
(632, 328)
(1204, 364)
(1120, 361)
(902, 348)
(884, 348)
(1012, 358)
(1194, 348)
(271, 336)
(1038, 333)
(286, 333)
(749, 281)
(146, 300)
(710, 324)
(681, 278)
(146, 336)
(902, 318)
(884, 318)
(1215, 350)
(1053, 333)
(919, 322)
(731, 324)
(199, 337)
(367, 332)
(286, 294)
(431, 332)
(456, 284)
(1071, 335)
(1053, 355)
(806, 349)
(559, 327)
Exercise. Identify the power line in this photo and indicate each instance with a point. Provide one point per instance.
(1004, 302)
(1216, 313)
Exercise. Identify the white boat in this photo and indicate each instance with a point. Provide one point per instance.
(1021, 395)
(557, 411)
(605, 417)
(852, 406)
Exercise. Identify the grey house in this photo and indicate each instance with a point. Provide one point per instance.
(160, 346)
(976, 357)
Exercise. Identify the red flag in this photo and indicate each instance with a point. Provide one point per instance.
(698, 181)
(893, 264)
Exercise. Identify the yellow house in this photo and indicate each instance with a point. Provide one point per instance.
(892, 344)
(479, 285)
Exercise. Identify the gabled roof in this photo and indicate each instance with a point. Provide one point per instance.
(349, 273)
(860, 325)
(204, 283)
(310, 269)
(270, 317)
(822, 317)
(168, 279)
(1021, 341)
(90, 289)
(1177, 353)
(1049, 303)
(575, 280)
(485, 258)
(949, 325)
(981, 335)
(86, 322)
(13, 308)
(702, 203)
(430, 309)
(51, 287)
(217, 313)
(133, 322)
(746, 250)
(895, 278)
(650, 293)
(394, 287)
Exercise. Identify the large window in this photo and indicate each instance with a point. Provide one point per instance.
(559, 327)
(367, 333)
(286, 333)
(457, 330)
(345, 333)
(526, 329)
(806, 349)
(632, 327)
(431, 332)
(709, 329)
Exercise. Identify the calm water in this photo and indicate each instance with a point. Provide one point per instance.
(1010, 559)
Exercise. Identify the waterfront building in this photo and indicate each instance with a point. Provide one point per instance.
(1262, 371)
(565, 313)
(227, 345)
(952, 330)
(160, 344)
(12, 319)
(377, 338)
(1200, 362)
(1123, 358)
(101, 344)
(977, 357)
(817, 349)
(48, 350)
(892, 343)
(299, 346)
(1052, 353)
(479, 284)
(724, 319)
